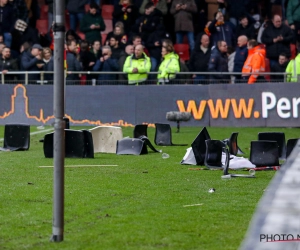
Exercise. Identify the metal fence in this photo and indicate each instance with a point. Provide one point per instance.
(91, 78)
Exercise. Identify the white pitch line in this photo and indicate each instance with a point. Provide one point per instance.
(78, 166)
(36, 132)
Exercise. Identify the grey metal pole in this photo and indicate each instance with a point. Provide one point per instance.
(59, 125)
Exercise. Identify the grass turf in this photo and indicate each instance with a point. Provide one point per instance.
(139, 204)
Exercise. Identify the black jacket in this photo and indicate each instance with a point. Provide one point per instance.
(274, 49)
(218, 63)
(199, 60)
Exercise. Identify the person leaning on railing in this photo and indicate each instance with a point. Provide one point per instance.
(7, 63)
(169, 65)
(137, 66)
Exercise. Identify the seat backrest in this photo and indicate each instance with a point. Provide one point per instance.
(139, 130)
(279, 137)
(183, 50)
(88, 144)
(107, 11)
(163, 134)
(129, 146)
(232, 144)
(264, 153)
(291, 143)
(199, 146)
(293, 50)
(42, 26)
(16, 136)
(108, 26)
(213, 153)
(267, 69)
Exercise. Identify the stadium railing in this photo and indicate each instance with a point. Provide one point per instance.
(91, 78)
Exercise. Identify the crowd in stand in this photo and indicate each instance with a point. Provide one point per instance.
(230, 41)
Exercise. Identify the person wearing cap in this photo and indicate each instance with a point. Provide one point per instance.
(92, 24)
(31, 60)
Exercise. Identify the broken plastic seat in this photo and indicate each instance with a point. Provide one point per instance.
(16, 137)
(290, 145)
(140, 130)
(78, 144)
(105, 138)
(199, 146)
(233, 145)
(163, 135)
(279, 137)
(264, 153)
(213, 154)
(134, 146)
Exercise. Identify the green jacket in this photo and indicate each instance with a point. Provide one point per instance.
(92, 35)
(143, 65)
(294, 69)
(293, 11)
(168, 67)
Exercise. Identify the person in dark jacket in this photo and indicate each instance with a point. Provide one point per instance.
(7, 21)
(246, 28)
(280, 67)
(92, 24)
(236, 8)
(22, 33)
(221, 30)
(72, 62)
(126, 13)
(241, 54)
(48, 64)
(200, 57)
(7, 64)
(218, 63)
(106, 64)
(129, 50)
(76, 10)
(31, 60)
(277, 38)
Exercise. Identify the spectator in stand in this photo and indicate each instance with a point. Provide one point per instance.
(126, 13)
(154, 45)
(20, 10)
(293, 16)
(106, 64)
(221, 30)
(169, 66)
(148, 22)
(236, 9)
(72, 35)
(87, 60)
(200, 58)
(277, 38)
(255, 63)
(92, 24)
(160, 5)
(136, 40)
(137, 66)
(241, 54)
(246, 27)
(183, 15)
(294, 68)
(218, 63)
(49, 3)
(48, 64)
(115, 48)
(32, 61)
(96, 50)
(129, 50)
(280, 67)
(117, 33)
(213, 7)
(7, 64)
(22, 33)
(76, 9)
(72, 63)
(7, 21)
